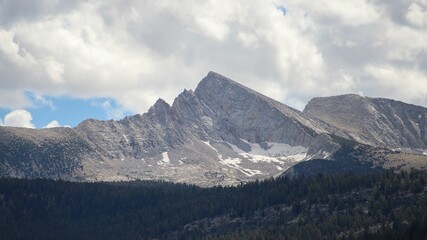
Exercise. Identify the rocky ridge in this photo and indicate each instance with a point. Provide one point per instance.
(374, 121)
(222, 133)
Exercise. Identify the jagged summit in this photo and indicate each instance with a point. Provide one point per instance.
(160, 105)
(221, 133)
(215, 82)
(214, 74)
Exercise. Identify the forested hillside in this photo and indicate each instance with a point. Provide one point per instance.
(374, 206)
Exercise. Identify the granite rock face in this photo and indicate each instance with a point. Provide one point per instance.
(222, 133)
(374, 121)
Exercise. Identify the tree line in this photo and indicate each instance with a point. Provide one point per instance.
(348, 206)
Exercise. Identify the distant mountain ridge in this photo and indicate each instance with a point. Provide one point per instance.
(220, 133)
(374, 121)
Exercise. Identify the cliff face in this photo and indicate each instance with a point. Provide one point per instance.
(221, 133)
(243, 113)
(374, 121)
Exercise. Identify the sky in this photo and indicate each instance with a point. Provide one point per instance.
(65, 61)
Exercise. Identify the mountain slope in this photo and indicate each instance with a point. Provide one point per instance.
(221, 133)
(387, 134)
(48, 153)
(374, 121)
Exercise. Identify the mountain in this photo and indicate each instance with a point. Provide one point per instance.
(222, 133)
(385, 133)
(374, 121)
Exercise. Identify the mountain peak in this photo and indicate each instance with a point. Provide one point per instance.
(160, 106)
(213, 76)
(216, 84)
(221, 133)
(161, 103)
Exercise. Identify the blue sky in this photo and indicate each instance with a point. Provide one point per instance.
(68, 111)
(67, 61)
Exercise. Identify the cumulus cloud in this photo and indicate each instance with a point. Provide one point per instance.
(137, 52)
(417, 13)
(54, 124)
(18, 118)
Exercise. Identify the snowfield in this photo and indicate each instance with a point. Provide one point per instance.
(279, 154)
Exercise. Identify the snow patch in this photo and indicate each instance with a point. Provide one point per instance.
(234, 163)
(275, 152)
(231, 161)
(210, 146)
(278, 153)
(126, 138)
(326, 154)
(165, 159)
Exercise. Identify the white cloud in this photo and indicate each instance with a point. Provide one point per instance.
(54, 124)
(399, 82)
(417, 13)
(18, 118)
(137, 52)
(339, 12)
(13, 98)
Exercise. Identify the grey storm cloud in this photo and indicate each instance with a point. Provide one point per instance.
(137, 51)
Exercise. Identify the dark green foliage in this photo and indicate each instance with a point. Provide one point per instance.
(330, 167)
(372, 206)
